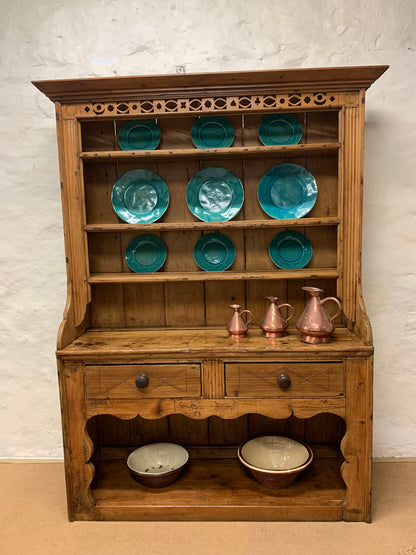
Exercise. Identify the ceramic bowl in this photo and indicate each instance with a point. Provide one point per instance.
(275, 461)
(157, 465)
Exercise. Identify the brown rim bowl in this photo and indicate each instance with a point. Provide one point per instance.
(275, 461)
(157, 465)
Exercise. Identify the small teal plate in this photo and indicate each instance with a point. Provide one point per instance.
(214, 252)
(140, 196)
(280, 129)
(141, 134)
(146, 253)
(290, 250)
(212, 132)
(287, 191)
(214, 195)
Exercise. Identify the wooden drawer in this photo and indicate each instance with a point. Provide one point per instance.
(163, 380)
(320, 379)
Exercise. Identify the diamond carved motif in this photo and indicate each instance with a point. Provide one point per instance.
(262, 379)
(164, 380)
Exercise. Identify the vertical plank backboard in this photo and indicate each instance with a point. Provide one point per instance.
(99, 180)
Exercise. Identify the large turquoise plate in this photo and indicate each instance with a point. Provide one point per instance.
(214, 252)
(212, 132)
(140, 196)
(280, 129)
(146, 253)
(141, 134)
(290, 250)
(287, 191)
(214, 195)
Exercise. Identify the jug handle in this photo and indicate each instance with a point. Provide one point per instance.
(335, 301)
(290, 306)
(248, 312)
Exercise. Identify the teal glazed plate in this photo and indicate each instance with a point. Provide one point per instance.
(212, 132)
(280, 129)
(141, 134)
(287, 191)
(140, 196)
(146, 253)
(290, 250)
(214, 252)
(214, 195)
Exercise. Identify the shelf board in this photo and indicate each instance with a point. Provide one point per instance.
(161, 277)
(237, 151)
(219, 489)
(236, 224)
(199, 342)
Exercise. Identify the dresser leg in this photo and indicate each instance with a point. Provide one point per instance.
(78, 447)
(356, 445)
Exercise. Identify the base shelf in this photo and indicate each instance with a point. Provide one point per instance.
(219, 489)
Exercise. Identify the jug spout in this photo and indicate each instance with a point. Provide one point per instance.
(273, 324)
(315, 325)
(237, 327)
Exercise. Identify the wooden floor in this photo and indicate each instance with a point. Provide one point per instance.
(33, 521)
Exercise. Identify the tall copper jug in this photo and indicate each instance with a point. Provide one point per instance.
(273, 323)
(237, 327)
(315, 325)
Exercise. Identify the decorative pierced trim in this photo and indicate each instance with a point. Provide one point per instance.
(262, 103)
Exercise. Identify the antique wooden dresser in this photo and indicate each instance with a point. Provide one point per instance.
(198, 387)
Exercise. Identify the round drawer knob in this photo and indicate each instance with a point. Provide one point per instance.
(284, 381)
(142, 381)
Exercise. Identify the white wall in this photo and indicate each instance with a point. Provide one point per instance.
(49, 39)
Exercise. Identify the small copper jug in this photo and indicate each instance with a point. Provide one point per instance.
(315, 325)
(273, 324)
(236, 326)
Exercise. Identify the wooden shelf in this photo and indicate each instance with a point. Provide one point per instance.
(237, 224)
(223, 484)
(197, 342)
(162, 277)
(237, 151)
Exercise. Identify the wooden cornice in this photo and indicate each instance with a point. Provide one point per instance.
(250, 82)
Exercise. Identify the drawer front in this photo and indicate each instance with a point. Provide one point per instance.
(315, 379)
(143, 381)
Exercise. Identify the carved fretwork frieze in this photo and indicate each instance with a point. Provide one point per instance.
(197, 105)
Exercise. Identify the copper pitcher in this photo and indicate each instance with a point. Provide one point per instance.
(273, 324)
(315, 325)
(237, 327)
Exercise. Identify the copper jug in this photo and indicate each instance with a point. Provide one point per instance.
(273, 324)
(315, 325)
(236, 326)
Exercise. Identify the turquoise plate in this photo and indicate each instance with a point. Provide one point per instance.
(214, 252)
(290, 250)
(146, 253)
(280, 129)
(140, 196)
(141, 134)
(287, 191)
(212, 132)
(214, 195)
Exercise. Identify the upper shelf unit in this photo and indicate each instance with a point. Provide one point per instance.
(319, 134)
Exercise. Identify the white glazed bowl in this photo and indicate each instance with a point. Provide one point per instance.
(275, 461)
(157, 465)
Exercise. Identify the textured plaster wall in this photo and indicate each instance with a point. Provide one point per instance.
(50, 39)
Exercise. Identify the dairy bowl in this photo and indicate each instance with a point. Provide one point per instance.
(275, 461)
(157, 465)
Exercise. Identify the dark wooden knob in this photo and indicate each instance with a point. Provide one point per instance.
(284, 381)
(142, 381)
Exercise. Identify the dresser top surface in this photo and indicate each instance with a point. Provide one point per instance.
(205, 342)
